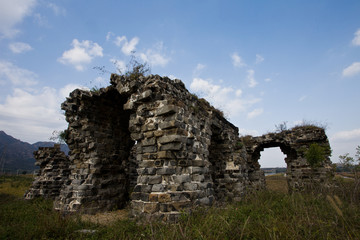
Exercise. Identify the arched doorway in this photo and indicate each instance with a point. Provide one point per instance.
(256, 175)
(272, 163)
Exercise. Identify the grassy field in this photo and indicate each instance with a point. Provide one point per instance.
(271, 214)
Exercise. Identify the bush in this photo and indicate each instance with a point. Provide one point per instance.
(315, 155)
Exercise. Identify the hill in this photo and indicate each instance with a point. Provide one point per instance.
(18, 155)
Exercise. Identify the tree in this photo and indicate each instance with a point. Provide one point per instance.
(315, 155)
(281, 127)
(350, 163)
(59, 136)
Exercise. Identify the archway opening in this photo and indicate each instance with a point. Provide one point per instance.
(273, 164)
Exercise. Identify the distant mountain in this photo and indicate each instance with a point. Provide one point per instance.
(18, 155)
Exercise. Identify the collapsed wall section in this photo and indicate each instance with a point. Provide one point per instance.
(100, 146)
(52, 175)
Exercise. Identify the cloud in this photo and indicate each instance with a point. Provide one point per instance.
(250, 78)
(34, 115)
(255, 113)
(356, 39)
(10, 73)
(237, 60)
(224, 98)
(155, 56)
(346, 135)
(19, 47)
(81, 54)
(12, 13)
(344, 142)
(119, 65)
(244, 132)
(197, 71)
(267, 80)
(127, 47)
(109, 35)
(259, 59)
(238, 93)
(351, 70)
(58, 11)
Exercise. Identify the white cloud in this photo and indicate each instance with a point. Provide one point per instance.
(224, 98)
(344, 142)
(109, 35)
(12, 13)
(346, 135)
(11, 73)
(197, 71)
(237, 60)
(33, 115)
(356, 39)
(155, 56)
(127, 47)
(267, 80)
(256, 112)
(351, 70)
(119, 65)
(250, 78)
(19, 47)
(81, 54)
(41, 20)
(238, 93)
(244, 132)
(259, 59)
(58, 11)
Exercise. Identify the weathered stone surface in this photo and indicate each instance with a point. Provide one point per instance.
(53, 174)
(152, 138)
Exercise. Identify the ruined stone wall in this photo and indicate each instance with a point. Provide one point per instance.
(150, 143)
(294, 144)
(53, 173)
(100, 144)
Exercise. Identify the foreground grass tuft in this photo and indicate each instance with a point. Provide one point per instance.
(265, 215)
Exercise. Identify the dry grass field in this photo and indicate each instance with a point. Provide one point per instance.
(271, 214)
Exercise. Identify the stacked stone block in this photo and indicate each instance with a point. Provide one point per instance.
(294, 143)
(53, 173)
(150, 143)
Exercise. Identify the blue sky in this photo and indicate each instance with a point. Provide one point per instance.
(261, 62)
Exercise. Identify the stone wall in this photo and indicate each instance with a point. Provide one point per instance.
(294, 144)
(53, 173)
(150, 143)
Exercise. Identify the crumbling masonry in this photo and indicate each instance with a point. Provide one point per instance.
(150, 142)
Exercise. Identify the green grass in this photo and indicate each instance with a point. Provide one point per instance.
(269, 214)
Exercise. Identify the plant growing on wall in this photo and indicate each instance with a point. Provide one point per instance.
(315, 155)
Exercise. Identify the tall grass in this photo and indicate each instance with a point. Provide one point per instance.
(263, 215)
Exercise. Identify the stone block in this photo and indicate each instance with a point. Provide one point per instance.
(171, 139)
(190, 186)
(148, 142)
(157, 188)
(165, 171)
(176, 146)
(181, 178)
(164, 197)
(165, 154)
(151, 207)
(153, 197)
(140, 196)
(156, 179)
(166, 110)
